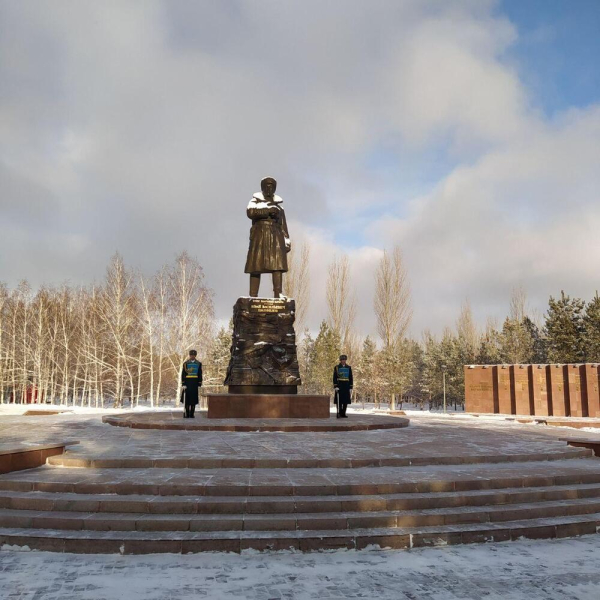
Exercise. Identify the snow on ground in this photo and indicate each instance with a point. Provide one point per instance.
(527, 570)
(411, 411)
(19, 409)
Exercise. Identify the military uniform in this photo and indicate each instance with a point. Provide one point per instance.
(343, 382)
(191, 378)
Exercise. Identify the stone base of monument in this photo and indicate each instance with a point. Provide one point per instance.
(268, 406)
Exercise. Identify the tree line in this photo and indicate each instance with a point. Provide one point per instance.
(123, 340)
(412, 370)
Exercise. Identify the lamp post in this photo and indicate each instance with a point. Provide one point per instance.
(444, 367)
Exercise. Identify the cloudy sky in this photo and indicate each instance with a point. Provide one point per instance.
(467, 132)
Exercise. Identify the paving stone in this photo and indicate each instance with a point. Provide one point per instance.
(426, 439)
(230, 491)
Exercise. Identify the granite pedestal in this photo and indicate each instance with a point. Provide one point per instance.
(268, 406)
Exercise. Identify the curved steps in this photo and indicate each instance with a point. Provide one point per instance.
(148, 510)
(76, 460)
(346, 520)
(138, 542)
(227, 505)
(165, 421)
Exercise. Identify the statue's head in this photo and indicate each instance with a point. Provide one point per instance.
(268, 186)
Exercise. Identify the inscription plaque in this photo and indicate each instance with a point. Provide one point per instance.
(267, 306)
(479, 389)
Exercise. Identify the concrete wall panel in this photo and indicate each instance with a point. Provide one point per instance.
(590, 376)
(519, 378)
(576, 392)
(479, 389)
(538, 386)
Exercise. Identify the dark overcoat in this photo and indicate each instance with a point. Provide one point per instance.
(269, 238)
(191, 377)
(343, 380)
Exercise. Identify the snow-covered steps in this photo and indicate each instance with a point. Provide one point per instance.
(158, 505)
(76, 460)
(145, 510)
(347, 520)
(143, 542)
(304, 482)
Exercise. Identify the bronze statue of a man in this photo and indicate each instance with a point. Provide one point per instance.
(269, 238)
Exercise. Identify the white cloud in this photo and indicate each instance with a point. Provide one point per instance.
(524, 214)
(145, 127)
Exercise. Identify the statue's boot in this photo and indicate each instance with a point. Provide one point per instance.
(254, 285)
(277, 284)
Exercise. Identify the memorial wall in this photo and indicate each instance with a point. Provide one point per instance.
(541, 390)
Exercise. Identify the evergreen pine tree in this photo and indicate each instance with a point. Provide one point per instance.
(490, 347)
(432, 368)
(305, 360)
(451, 356)
(539, 353)
(393, 372)
(365, 377)
(468, 337)
(325, 357)
(565, 329)
(592, 330)
(219, 355)
(414, 364)
(516, 342)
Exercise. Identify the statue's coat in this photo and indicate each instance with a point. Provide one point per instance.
(269, 238)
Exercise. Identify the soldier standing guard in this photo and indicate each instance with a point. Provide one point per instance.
(191, 380)
(342, 383)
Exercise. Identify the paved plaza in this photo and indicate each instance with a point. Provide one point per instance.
(429, 435)
(546, 570)
(443, 480)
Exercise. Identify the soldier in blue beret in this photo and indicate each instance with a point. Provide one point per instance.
(191, 380)
(342, 383)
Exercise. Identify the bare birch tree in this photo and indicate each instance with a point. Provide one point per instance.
(296, 282)
(125, 338)
(392, 305)
(341, 301)
(160, 293)
(468, 334)
(191, 309)
(117, 311)
(392, 301)
(518, 304)
(3, 353)
(148, 302)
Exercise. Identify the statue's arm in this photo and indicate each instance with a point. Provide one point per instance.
(254, 212)
(284, 227)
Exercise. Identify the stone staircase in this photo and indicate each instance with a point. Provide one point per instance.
(153, 509)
